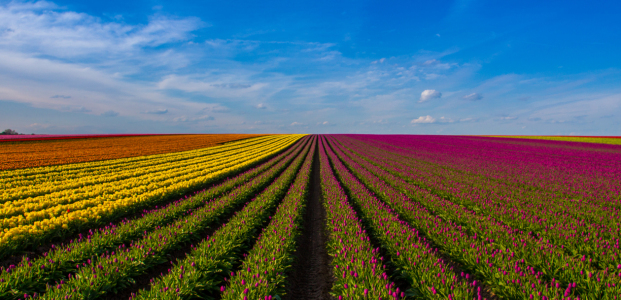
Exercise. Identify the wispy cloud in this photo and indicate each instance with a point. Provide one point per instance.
(473, 97)
(44, 28)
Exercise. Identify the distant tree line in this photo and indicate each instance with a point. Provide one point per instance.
(12, 132)
(9, 132)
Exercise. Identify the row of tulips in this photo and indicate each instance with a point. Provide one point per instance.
(116, 270)
(500, 182)
(39, 151)
(547, 259)
(579, 237)
(32, 275)
(47, 178)
(263, 272)
(90, 186)
(592, 200)
(203, 272)
(67, 219)
(358, 269)
(418, 262)
(39, 174)
(589, 172)
(598, 243)
(464, 174)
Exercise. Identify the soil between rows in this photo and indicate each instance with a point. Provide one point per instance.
(311, 277)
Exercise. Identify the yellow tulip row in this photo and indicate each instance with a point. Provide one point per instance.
(108, 200)
(88, 186)
(32, 207)
(20, 178)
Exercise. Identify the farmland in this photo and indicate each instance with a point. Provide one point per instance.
(309, 217)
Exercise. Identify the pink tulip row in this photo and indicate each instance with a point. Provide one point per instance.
(544, 261)
(409, 250)
(450, 164)
(358, 269)
(565, 167)
(595, 238)
(549, 261)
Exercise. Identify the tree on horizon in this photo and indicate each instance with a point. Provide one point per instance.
(9, 132)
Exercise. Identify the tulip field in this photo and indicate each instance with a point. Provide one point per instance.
(295, 216)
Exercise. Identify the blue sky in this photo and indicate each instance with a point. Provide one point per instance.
(432, 67)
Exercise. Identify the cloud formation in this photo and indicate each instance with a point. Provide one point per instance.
(473, 97)
(100, 67)
(423, 120)
(427, 95)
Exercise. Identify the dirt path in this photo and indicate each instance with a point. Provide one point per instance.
(312, 276)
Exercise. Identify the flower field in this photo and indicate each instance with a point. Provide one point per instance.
(400, 217)
(29, 151)
(585, 139)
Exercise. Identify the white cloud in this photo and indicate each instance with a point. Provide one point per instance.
(473, 97)
(261, 106)
(423, 120)
(296, 124)
(427, 95)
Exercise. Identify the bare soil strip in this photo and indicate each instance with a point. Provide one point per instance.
(311, 277)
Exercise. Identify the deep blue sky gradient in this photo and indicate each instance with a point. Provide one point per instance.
(499, 67)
